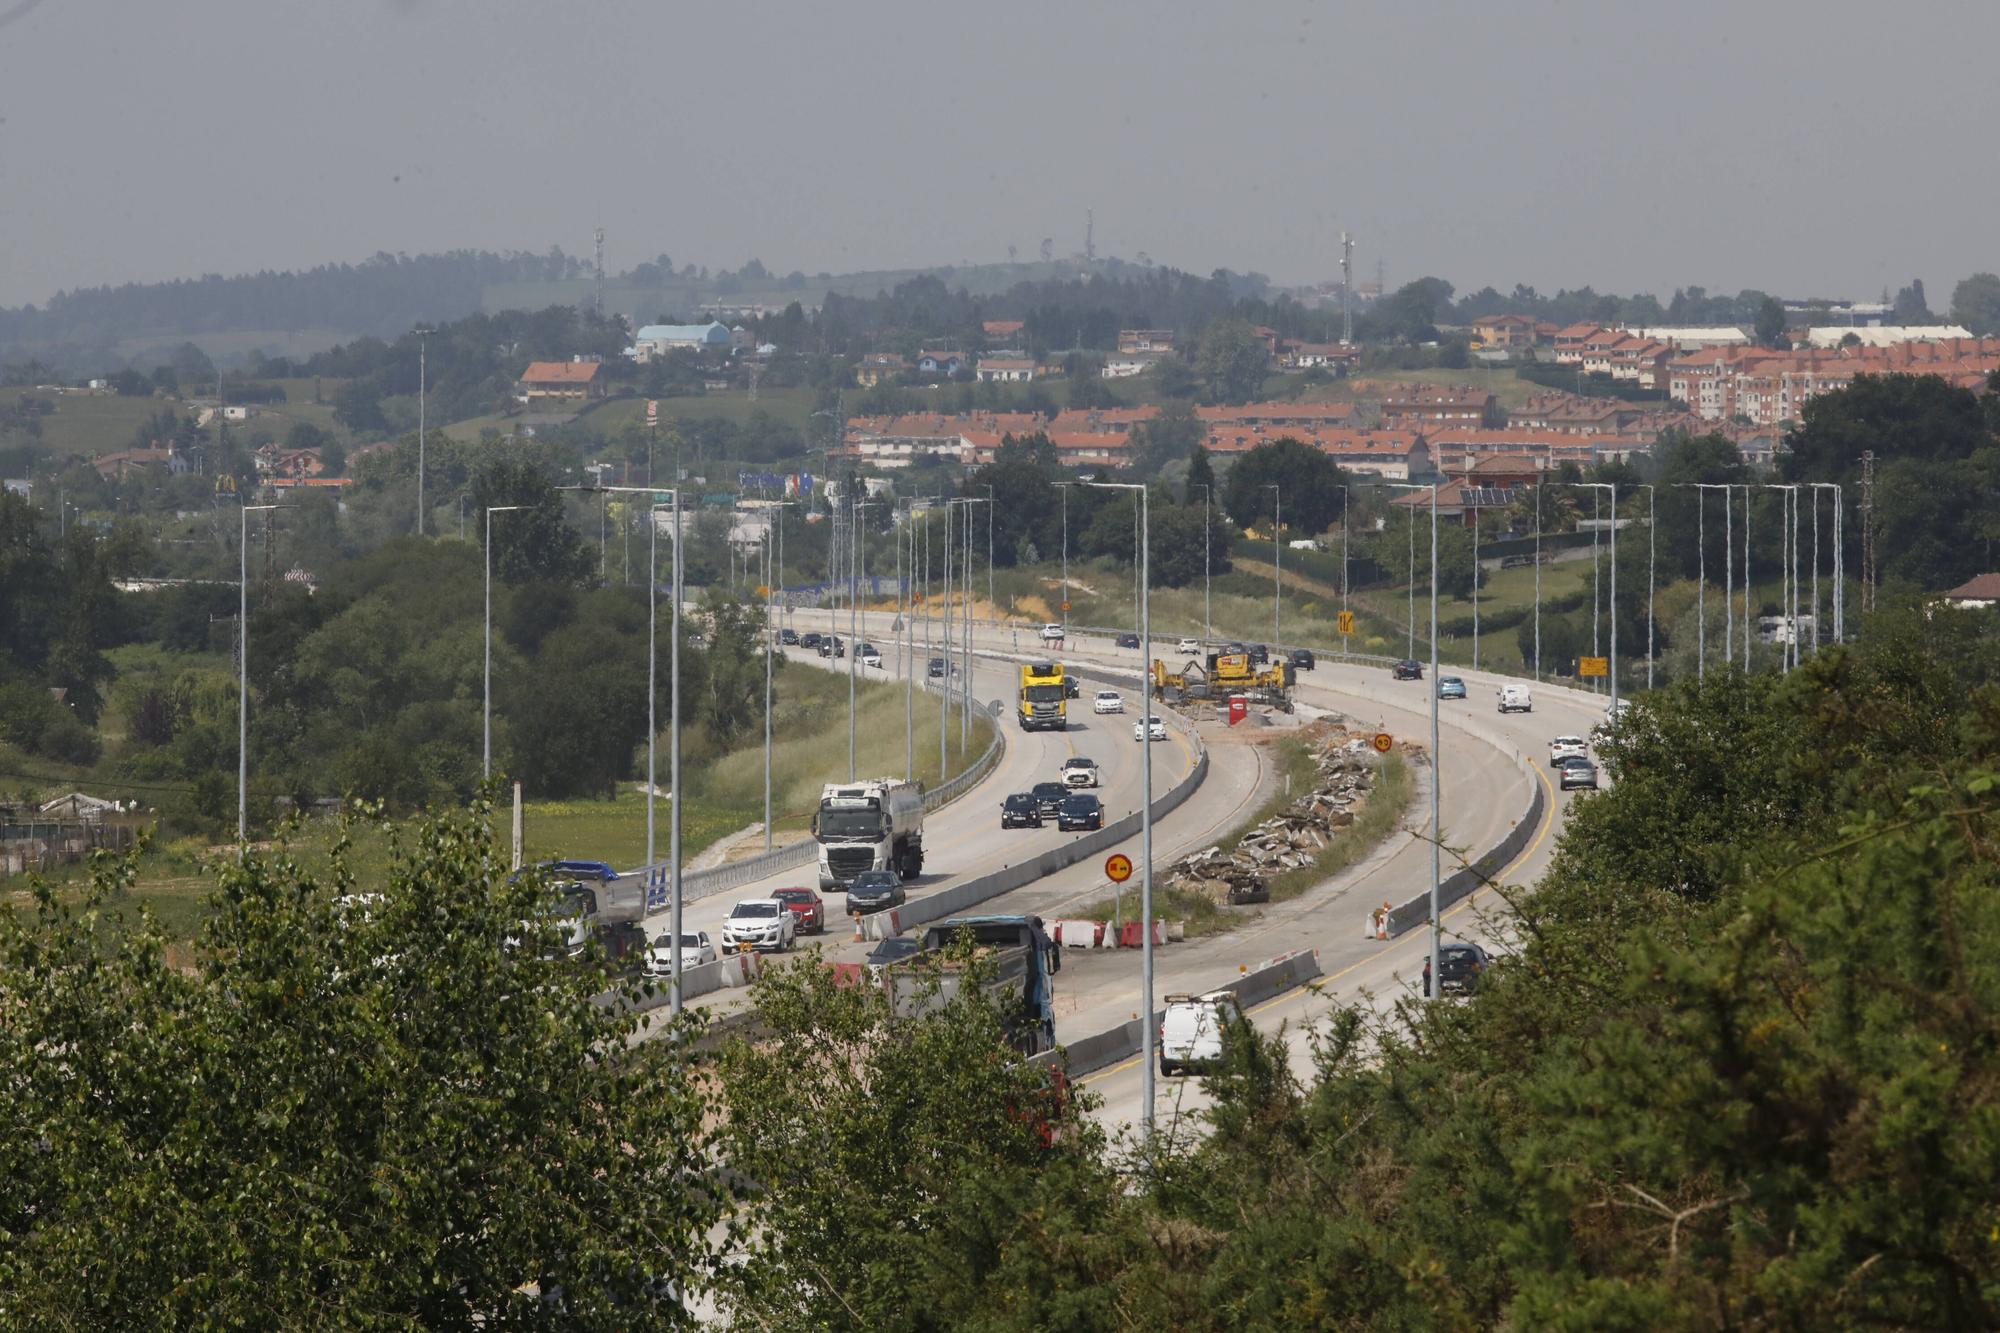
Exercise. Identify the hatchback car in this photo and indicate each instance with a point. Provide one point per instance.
(1566, 747)
(1577, 771)
(934, 668)
(869, 656)
(810, 639)
(1049, 796)
(1107, 701)
(1407, 669)
(761, 924)
(1194, 1031)
(1259, 654)
(1450, 687)
(1080, 810)
(1079, 770)
(788, 636)
(1149, 729)
(1021, 810)
(1302, 659)
(874, 891)
(1128, 641)
(1188, 647)
(806, 907)
(1459, 969)
(1052, 633)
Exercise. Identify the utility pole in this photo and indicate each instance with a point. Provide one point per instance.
(1538, 583)
(243, 675)
(486, 711)
(1207, 619)
(1434, 990)
(1652, 556)
(1346, 289)
(1277, 562)
(1613, 491)
(944, 627)
(1867, 531)
(423, 351)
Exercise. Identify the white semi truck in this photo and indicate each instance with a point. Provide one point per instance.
(870, 824)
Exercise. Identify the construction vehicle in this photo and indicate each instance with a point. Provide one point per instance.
(1043, 704)
(873, 824)
(1021, 961)
(1221, 675)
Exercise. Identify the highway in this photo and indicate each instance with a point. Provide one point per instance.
(1491, 765)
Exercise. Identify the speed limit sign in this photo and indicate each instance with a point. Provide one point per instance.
(1383, 741)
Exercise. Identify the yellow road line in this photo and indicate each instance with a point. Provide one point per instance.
(1319, 986)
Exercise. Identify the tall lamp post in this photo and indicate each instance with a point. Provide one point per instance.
(423, 368)
(1437, 759)
(1147, 1033)
(1345, 527)
(1538, 582)
(1612, 489)
(1652, 554)
(1839, 568)
(1063, 486)
(855, 566)
(1701, 490)
(486, 707)
(1207, 619)
(965, 582)
(1788, 571)
(1277, 560)
(243, 675)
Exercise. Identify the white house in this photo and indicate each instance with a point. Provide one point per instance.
(1006, 369)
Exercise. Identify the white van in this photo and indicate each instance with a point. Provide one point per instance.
(1516, 699)
(1194, 1030)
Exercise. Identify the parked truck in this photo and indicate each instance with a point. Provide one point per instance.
(1044, 700)
(873, 824)
(1022, 962)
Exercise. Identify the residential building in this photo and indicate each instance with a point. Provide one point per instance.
(1420, 405)
(1323, 356)
(1005, 370)
(1505, 330)
(1540, 449)
(1977, 594)
(1002, 332)
(1574, 414)
(1154, 341)
(875, 367)
(1280, 416)
(114, 466)
(658, 339)
(1124, 367)
(940, 363)
(1569, 342)
(276, 460)
(1771, 388)
(560, 379)
(1695, 338)
(1461, 499)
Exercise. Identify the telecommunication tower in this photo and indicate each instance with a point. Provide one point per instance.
(597, 296)
(1346, 288)
(1089, 235)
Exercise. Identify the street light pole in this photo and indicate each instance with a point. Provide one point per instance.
(1839, 574)
(1148, 1034)
(1437, 759)
(856, 563)
(1652, 554)
(944, 630)
(1207, 618)
(486, 710)
(1701, 490)
(1612, 488)
(1064, 486)
(423, 356)
(1346, 525)
(1538, 582)
(1788, 573)
(1277, 560)
(243, 675)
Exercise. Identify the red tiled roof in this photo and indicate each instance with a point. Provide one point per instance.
(559, 372)
(1980, 588)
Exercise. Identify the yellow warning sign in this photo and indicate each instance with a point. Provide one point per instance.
(1593, 666)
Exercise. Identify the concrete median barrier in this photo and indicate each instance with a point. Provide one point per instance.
(1469, 879)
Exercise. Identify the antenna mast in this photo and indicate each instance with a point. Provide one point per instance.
(597, 297)
(1089, 235)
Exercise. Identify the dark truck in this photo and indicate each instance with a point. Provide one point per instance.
(1023, 962)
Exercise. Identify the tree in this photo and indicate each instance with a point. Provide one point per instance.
(1200, 478)
(339, 1076)
(1172, 434)
(1911, 307)
(1769, 329)
(536, 540)
(1310, 484)
(1231, 361)
(1975, 303)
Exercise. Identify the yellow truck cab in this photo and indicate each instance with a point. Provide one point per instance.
(1043, 704)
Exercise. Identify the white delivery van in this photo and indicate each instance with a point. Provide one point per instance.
(1516, 699)
(1194, 1029)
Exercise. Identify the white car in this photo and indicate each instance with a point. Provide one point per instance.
(1188, 647)
(696, 948)
(1052, 633)
(870, 656)
(1079, 771)
(1194, 1030)
(763, 924)
(1108, 701)
(1567, 747)
(1154, 725)
(1516, 699)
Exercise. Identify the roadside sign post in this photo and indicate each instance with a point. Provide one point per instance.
(1593, 667)
(1383, 741)
(1118, 869)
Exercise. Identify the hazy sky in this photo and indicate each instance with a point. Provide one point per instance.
(1828, 147)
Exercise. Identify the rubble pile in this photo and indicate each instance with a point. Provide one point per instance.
(1289, 839)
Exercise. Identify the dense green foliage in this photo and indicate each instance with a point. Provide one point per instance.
(390, 1105)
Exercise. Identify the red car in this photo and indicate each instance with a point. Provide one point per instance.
(805, 904)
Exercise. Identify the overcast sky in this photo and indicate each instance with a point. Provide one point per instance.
(1829, 147)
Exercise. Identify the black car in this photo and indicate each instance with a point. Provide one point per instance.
(1302, 659)
(1021, 810)
(788, 636)
(1576, 771)
(1260, 654)
(874, 891)
(1128, 641)
(810, 639)
(831, 646)
(1459, 967)
(1080, 810)
(893, 950)
(1408, 669)
(935, 668)
(1050, 796)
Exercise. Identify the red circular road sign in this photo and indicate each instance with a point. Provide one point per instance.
(1383, 741)
(1118, 867)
